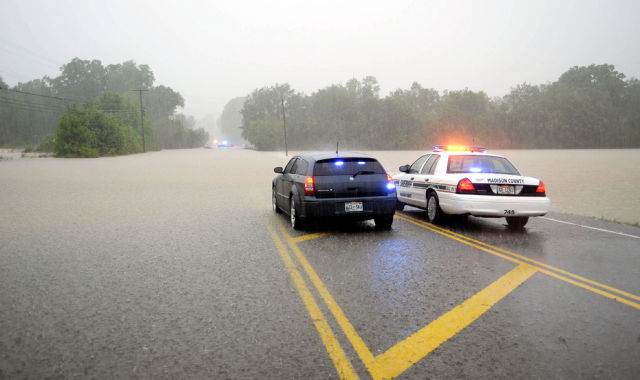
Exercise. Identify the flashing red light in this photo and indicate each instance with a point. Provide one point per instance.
(541, 189)
(309, 187)
(465, 186)
(389, 179)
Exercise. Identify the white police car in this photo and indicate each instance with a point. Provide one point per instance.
(468, 181)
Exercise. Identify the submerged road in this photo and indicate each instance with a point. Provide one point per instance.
(172, 265)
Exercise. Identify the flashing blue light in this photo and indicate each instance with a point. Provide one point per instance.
(225, 142)
(391, 186)
(361, 162)
(475, 170)
(338, 163)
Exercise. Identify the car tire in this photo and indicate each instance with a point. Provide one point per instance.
(384, 222)
(517, 222)
(274, 203)
(296, 221)
(399, 206)
(434, 213)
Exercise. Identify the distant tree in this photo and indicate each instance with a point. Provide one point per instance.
(127, 76)
(230, 121)
(81, 79)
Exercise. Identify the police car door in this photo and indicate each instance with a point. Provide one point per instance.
(405, 189)
(421, 181)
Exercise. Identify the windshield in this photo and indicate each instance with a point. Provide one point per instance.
(348, 166)
(480, 164)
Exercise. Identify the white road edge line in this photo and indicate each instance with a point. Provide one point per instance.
(592, 228)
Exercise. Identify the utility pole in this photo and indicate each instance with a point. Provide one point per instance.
(144, 148)
(284, 124)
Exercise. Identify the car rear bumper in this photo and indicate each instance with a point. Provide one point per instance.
(493, 205)
(335, 207)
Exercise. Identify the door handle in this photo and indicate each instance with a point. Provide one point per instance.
(412, 178)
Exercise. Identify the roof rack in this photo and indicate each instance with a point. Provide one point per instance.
(458, 148)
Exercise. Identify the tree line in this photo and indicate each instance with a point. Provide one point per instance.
(95, 105)
(586, 107)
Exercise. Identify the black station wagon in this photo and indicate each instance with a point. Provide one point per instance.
(351, 186)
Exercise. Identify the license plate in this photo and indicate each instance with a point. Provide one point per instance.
(506, 190)
(353, 206)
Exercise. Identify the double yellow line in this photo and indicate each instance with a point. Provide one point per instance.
(340, 360)
(406, 353)
(574, 279)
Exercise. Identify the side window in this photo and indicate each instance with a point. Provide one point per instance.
(290, 165)
(301, 167)
(415, 168)
(430, 166)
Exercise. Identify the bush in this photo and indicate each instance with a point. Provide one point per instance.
(90, 132)
(47, 144)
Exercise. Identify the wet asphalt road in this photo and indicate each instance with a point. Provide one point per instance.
(172, 265)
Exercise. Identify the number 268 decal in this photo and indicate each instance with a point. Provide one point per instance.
(509, 212)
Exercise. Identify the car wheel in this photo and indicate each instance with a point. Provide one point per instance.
(399, 206)
(274, 203)
(384, 222)
(296, 222)
(434, 213)
(517, 222)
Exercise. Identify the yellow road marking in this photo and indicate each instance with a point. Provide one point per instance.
(514, 257)
(342, 364)
(358, 344)
(408, 352)
(411, 350)
(310, 236)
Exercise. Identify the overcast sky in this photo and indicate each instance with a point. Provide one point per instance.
(212, 51)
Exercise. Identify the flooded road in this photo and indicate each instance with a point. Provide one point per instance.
(172, 264)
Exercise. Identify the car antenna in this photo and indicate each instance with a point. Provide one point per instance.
(337, 145)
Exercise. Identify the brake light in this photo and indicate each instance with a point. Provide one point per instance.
(309, 187)
(390, 184)
(465, 186)
(541, 190)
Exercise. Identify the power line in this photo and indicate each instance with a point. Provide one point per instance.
(33, 105)
(31, 93)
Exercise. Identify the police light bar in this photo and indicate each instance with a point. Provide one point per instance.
(455, 148)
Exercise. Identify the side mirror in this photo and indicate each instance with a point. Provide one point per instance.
(278, 169)
(404, 168)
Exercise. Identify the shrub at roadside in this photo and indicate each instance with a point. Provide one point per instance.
(93, 130)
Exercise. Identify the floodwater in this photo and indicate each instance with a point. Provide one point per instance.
(599, 183)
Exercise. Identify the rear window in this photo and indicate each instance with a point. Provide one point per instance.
(480, 164)
(348, 166)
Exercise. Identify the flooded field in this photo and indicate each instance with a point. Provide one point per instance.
(597, 183)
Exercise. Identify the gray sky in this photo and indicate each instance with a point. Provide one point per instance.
(212, 51)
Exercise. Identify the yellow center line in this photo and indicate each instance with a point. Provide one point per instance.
(522, 259)
(358, 344)
(403, 355)
(311, 236)
(342, 364)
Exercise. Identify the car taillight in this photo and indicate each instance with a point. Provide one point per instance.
(309, 187)
(465, 186)
(541, 190)
(390, 184)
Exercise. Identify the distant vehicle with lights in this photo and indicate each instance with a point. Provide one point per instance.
(461, 180)
(224, 144)
(351, 186)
